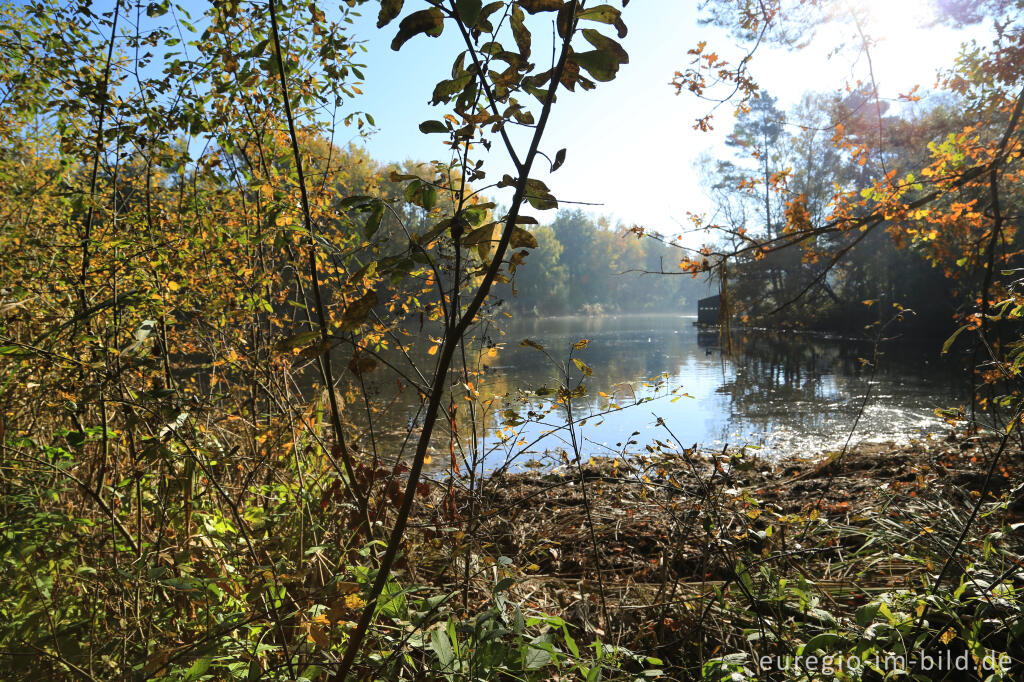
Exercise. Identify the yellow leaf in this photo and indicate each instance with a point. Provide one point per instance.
(319, 635)
(432, 350)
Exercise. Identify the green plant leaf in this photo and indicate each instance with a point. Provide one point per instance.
(538, 652)
(479, 235)
(865, 615)
(583, 367)
(949, 342)
(295, 341)
(602, 66)
(357, 311)
(606, 14)
(520, 32)
(534, 6)
(605, 44)
(821, 642)
(389, 9)
(441, 645)
(374, 219)
(433, 127)
(198, 668)
(521, 239)
(468, 11)
(429, 21)
(538, 195)
(559, 160)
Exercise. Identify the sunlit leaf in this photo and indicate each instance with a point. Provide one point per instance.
(522, 239)
(583, 367)
(606, 14)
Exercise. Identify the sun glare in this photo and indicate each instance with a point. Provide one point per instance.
(899, 31)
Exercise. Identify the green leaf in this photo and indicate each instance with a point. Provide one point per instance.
(357, 311)
(375, 218)
(534, 6)
(821, 642)
(474, 215)
(446, 89)
(583, 367)
(468, 11)
(295, 341)
(539, 196)
(442, 647)
(395, 176)
(389, 9)
(355, 201)
(866, 614)
(479, 235)
(198, 668)
(559, 160)
(606, 44)
(520, 32)
(949, 342)
(429, 21)
(504, 584)
(522, 239)
(437, 229)
(537, 655)
(602, 66)
(606, 14)
(433, 127)
(421, 194)
(156, 9)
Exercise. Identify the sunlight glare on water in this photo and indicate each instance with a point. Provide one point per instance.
(782, 393)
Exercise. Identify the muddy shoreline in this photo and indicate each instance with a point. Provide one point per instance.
(654, 518)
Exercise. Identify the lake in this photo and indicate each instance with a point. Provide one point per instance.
(784, 393)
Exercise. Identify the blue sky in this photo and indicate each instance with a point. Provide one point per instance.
(631, 145)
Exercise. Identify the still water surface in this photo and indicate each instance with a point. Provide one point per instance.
(783, 393)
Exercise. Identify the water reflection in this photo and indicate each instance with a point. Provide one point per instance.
(784, 393)
(780, 392)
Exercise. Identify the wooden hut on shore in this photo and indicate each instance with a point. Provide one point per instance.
(708, 311)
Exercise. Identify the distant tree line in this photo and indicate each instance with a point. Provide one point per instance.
(584, 265)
